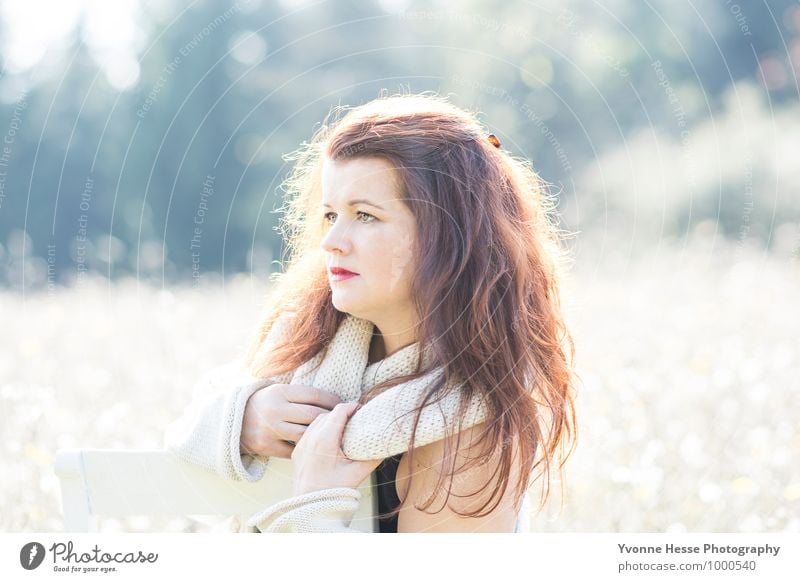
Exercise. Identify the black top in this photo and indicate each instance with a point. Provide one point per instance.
(386, 492)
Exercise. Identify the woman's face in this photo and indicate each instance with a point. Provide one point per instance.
(368, 230)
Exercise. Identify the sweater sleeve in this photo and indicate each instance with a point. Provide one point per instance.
(208, 432)
(332, 511)
(324, 511)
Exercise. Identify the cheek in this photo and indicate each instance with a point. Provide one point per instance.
(398, 262)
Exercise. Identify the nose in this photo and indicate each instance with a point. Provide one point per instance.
(336, 240)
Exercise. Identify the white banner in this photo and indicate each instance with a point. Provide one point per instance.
(407, 557)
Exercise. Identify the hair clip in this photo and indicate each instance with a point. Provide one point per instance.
(493, 140)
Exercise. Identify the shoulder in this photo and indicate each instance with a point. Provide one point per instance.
(472, 487)
(278, 331)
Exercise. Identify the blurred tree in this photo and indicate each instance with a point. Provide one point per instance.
(178, 174)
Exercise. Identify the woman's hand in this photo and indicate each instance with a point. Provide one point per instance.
(318, 460)
(277, 416)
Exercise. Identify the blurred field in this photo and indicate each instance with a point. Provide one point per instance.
(689, 400)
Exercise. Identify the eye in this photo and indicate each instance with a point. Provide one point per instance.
(327, 217)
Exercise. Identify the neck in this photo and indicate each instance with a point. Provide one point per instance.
(384, 345)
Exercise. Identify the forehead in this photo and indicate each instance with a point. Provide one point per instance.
(368, 177)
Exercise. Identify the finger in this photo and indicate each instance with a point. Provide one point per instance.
(337, 419)
(303, 394)
(277, 448)
(290, 431)
(302, 413)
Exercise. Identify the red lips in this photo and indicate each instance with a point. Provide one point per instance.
(340, 271)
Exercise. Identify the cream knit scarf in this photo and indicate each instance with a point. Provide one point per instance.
(379, 429)
(209, 433)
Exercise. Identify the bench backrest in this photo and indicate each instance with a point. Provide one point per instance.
(120, 483)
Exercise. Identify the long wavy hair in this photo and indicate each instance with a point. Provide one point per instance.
(486, 285)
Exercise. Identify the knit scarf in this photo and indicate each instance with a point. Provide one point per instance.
(379, 429)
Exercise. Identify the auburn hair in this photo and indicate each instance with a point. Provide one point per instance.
(486, 283)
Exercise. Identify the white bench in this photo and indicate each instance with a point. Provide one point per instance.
(120, 483)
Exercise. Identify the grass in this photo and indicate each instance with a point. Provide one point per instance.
(688, 391)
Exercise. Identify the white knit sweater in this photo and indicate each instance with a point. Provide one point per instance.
(208, 433)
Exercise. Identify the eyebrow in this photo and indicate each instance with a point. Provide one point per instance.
(358, 201)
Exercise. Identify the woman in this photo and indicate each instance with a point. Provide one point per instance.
(407, 222)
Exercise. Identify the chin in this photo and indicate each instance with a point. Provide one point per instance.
(343, 304)
(349, 307)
